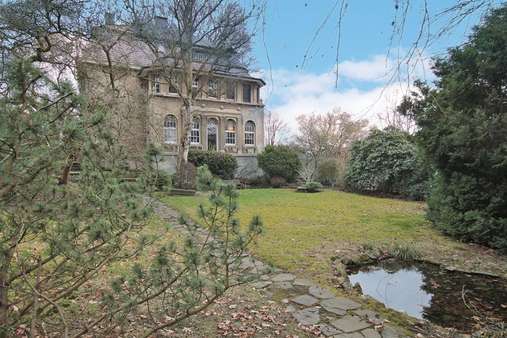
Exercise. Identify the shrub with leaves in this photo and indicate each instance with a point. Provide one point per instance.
(387, 162)
(204, 178)
(280, 160)
(220, 164)
(312, 186)
(277, 181)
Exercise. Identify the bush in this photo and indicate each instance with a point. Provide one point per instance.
(204, 178)
(163, 181)
(280, 160)
(220, 164)
(312, 186)
(462, 124)
(387, 162)
(277, 181)
(328, 172)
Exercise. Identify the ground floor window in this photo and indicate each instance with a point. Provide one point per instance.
(250, 133)
(212, 134)
(230, 132)
(170, 129)
(195, 133)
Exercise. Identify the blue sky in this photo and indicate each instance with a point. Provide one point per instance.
(366, 87)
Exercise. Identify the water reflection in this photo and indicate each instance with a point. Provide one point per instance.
(424, 291)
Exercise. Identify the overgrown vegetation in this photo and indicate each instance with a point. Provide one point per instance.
(387, 162)
(463, 130)
(220, 164)
(280, 161)
(58, 235)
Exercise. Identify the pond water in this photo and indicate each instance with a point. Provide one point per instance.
(425, 291)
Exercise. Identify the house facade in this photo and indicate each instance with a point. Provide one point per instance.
(228, 117)
(228, 112)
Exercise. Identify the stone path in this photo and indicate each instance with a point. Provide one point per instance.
(310, 304)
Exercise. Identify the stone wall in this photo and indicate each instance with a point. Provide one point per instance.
(247, 165)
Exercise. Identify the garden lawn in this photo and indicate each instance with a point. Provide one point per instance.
(304, 231)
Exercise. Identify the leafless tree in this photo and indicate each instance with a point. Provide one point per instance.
(191, 41)
(327, 136)
(274, 128)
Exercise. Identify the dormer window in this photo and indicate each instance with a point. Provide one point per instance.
(247, 93)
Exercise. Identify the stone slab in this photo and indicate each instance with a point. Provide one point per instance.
(317, 291)
(303, 282)
(328, 330)
(283, 285)
(261, 284)
(350, 324)
(283, 277)
(308, 316)
(349, 335)
(371, 333)
(343, 303)
(330, 305)
(305, 300)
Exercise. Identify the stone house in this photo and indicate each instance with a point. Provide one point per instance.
(228, 110)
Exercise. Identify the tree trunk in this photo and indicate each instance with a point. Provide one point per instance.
(186, 119)
(4, 290)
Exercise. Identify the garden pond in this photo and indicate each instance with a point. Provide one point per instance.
(427, 291)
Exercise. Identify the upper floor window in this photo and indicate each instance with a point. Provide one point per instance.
(258, 92)
(195, 132)
(250, 133)
(170, 129)
(230, 132)
(231, 90)
(173, 85)
(247, 93)
(195, 83)
(156, 85)
(213, 88)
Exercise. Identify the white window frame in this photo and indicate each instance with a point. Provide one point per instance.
(230, 135)
(156, 85)
(195, 131)
(250, 133)
(170, 127)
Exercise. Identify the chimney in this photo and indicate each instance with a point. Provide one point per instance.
(161, 22)
(109, 18)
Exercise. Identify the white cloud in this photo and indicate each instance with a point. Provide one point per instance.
(294, 93)
(374, 69)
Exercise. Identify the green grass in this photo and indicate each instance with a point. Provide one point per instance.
(302, 231)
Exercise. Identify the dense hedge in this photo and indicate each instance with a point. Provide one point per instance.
(462, 124)
(220, 164)
(387, 162)
(281, 161)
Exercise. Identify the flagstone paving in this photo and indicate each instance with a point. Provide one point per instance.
(309, 303)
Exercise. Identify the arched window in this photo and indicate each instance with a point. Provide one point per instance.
(230, 132)
(250, 133)
(170, 129)
(195, 132)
